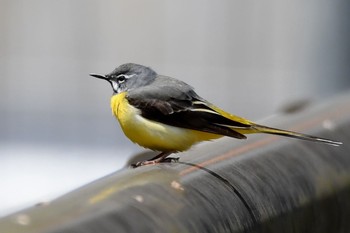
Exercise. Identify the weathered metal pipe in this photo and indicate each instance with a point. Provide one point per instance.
(263, 184)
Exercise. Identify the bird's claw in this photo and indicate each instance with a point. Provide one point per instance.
(170, 160)
(153, 162)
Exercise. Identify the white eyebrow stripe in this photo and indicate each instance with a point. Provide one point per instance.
(126, 76)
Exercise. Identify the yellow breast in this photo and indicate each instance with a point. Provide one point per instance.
(151, 134)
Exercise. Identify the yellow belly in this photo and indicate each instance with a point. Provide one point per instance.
(151, 134)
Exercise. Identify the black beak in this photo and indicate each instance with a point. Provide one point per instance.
(99, 76)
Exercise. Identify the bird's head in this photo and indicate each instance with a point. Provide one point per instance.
(128, 76)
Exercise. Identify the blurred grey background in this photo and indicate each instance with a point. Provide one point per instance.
(249, 57)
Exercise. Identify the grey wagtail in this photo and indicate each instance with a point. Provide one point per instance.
(165, 114)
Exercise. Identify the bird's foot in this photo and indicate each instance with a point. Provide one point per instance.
(154, 162)
(143, 163)
(170, 160)
(161, 158)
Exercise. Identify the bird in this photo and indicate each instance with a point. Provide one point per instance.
(165, 114)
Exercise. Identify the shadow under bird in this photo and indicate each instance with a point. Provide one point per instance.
(165, 114)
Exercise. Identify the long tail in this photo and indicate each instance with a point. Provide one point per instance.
(269, 130)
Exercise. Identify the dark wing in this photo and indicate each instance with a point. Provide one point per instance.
(181, 107)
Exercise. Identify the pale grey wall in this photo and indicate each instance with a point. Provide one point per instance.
(249, 57)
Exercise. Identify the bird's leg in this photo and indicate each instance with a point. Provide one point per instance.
(157, 159)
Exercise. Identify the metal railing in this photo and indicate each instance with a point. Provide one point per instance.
(263, 184)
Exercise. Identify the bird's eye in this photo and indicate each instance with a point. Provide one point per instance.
(121, 78)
